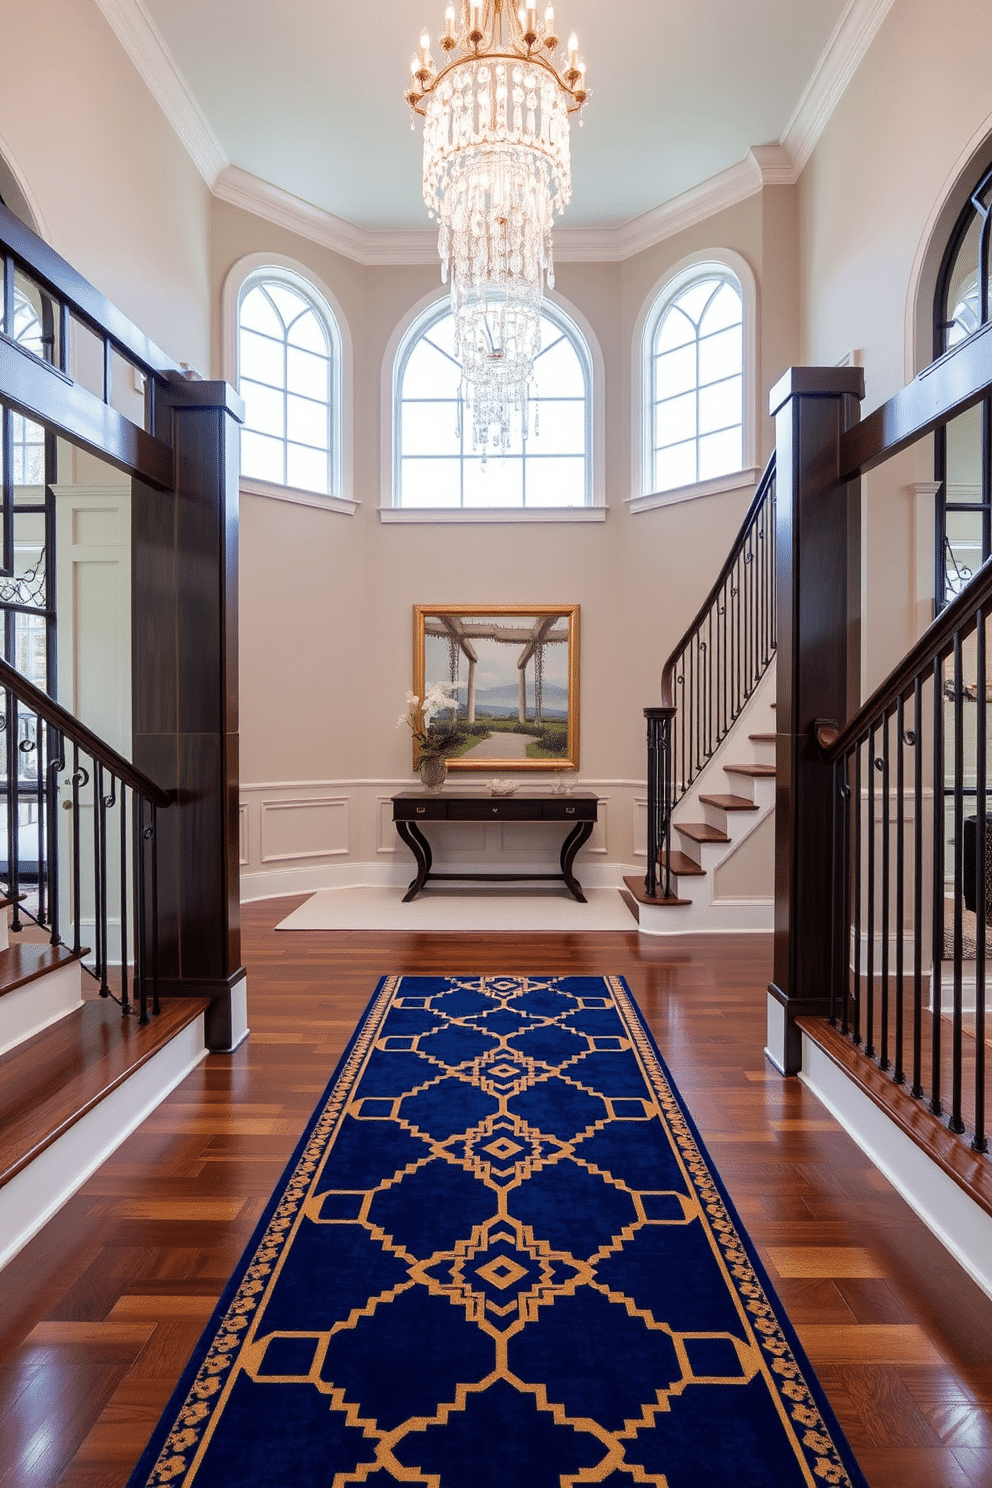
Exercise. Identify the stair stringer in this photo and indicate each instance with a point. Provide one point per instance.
(705, 914)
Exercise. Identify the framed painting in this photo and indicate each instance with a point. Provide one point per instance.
(512, 673)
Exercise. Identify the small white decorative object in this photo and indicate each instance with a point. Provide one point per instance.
(565, 783)
(502, 787)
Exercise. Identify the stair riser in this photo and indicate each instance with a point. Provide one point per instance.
(34, 1194)
(39, 1003)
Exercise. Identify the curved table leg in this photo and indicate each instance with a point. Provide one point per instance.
(579, 834)
(415, 840)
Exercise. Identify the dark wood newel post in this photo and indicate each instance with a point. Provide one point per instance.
(819, 643)
(185, 696)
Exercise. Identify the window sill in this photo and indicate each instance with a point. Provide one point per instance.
(252, 487)
(458, 514)
(717, 487)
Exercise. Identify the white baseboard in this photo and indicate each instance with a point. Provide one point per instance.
(964, 1229)
(279, 883)
(33, 1195)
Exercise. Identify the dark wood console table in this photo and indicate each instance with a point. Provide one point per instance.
(411, 809)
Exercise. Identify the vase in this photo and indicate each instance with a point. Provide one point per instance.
(433, 772)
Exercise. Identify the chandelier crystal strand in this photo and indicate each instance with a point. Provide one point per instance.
(496, 169)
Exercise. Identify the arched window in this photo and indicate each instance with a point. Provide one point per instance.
(289, 369)
(27, 438)
(963, 450)
(548, 464)
(694, 379)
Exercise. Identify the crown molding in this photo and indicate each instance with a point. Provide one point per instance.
(144, 44)
(841, 57)
(777, 164)
(283, 209)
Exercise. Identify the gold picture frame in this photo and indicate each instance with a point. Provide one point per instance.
(514, 671)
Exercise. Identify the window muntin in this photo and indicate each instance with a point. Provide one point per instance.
(695, 390)
(288, 372)
(436, 464)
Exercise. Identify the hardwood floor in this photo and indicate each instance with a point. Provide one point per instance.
(100, 1312)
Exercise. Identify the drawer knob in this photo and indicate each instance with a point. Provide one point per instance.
(495, 811)
(569, 810)
(421, 810)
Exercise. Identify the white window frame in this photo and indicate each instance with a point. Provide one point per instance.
(678, 278)
(243, 277)
(420, 316)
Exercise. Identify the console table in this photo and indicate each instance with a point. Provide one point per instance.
(411, 809)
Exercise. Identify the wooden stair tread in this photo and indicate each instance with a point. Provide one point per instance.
(635, 886)
(730, 803)
(756, 771)
(53, 1078)
(25, 961)
(700, 832)
(681, 865)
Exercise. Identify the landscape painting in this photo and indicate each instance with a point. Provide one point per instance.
(512, 673)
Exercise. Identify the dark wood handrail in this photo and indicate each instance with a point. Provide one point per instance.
(70, 728)
(52, 272)
(767, 476)
(951, 385)
(932, 642)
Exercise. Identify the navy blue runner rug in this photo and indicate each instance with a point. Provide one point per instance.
(499, 1258)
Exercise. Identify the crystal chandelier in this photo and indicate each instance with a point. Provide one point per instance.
(496, 168)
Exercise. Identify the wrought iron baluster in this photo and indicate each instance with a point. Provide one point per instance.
(955, 1120)
(898, 1072)
(858, 810)
(980, 1139)
(938, 884)
(56, 764)
(916, 1088)
(873, 766)
(125, 995)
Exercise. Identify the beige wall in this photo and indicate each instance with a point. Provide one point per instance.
(911, 116)
(113, 189)
(327, 599)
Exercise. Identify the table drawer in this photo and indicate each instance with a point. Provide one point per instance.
(566, 810)
(494, 809)
(420, 810)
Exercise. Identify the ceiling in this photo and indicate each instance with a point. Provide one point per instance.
(308, 94)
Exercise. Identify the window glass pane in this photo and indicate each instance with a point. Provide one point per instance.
(306, 469)
(675, 372)
(257, 313)
(723, 310)
(720, 355)
(675, 467)
(306, 421)
(694, 299)
(558, 425)
(262, 457)
(307, 374)
(719, 454)
(556, 482)
(557, 429)
(558, 372)
(430, 429)
(264, 409)
(287, 301)
(675, 420)
(262, 359)
(29, 452)
(308, 333)
(431, 482)
(499, 482)
(430, 374)
(720, 405)
(675, 329)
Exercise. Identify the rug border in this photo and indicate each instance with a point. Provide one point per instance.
(634, 1017)
(166, 1423)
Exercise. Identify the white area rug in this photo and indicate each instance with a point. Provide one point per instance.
(465, 908)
